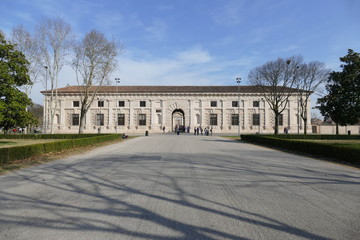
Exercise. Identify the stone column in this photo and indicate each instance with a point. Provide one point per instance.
(152, 114)
(111, 119)
(191, 113)
(163, 116)
(62, 120)
(131, 114)
(202, 113)
(223, 112)
(245, 122)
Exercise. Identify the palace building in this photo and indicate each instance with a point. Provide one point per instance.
(137, 109)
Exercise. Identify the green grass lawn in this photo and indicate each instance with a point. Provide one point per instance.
(349, 143)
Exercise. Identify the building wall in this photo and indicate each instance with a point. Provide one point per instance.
(159, 113)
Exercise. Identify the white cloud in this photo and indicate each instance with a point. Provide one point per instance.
(194, 55)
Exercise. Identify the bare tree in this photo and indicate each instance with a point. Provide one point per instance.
(55, 40)
(26, 44)
(310, 77)
(275, 81)
(95, 58)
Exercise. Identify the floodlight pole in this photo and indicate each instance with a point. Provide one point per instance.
(238, 81)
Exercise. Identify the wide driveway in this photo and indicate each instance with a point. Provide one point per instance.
(181, 187)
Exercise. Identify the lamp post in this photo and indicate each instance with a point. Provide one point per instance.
(298, 116)
(45, 104)
(238, 81)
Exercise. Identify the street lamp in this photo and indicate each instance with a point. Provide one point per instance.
(298, 116)
(46, 110)
(238, 81)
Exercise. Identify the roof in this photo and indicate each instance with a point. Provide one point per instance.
(161, 89)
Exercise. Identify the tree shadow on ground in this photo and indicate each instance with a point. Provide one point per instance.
(109, 195)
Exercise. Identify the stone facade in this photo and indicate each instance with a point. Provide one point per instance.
(136, 109)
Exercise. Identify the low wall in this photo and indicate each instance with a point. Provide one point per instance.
(331, 129)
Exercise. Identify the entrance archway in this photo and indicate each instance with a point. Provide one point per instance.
(178, 120)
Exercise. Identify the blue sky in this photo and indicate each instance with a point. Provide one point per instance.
(200, 42)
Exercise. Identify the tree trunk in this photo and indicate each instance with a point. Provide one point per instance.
(276, 132)
(305, 126)
(82, 119)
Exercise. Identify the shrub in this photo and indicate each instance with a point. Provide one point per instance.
(343, 153)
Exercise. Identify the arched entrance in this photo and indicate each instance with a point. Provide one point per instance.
(178, 119)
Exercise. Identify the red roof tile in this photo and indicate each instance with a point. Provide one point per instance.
(162, 89)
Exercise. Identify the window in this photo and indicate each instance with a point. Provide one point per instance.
(142, 119)
(100, 119)
(142, 103)
(256, 119)
(213, 119)
(101, 103)
(75, 120)
(256, 104)
(121, 119)
(235, 103)
(121, 103)
(158, 111)
(213, 103)
(76, 104)
(280, 119)
(235, 119)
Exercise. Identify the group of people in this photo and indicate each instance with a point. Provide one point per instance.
(200, 130)
(197, 130)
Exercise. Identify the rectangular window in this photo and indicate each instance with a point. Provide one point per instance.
(213, 103)
(235, 119)
(121, 103)
(213, 119)
(142, 119)
(256, 103)
(76, 104)
(100, 119)
(75, 119)
(280, 119)
(158, 111)
(101, 103)
(142, 103)
(235, 103)
(121, 119)
(256, 119)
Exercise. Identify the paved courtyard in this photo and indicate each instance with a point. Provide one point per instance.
(181, 187)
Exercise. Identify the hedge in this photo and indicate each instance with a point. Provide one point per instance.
(46, 136)
(346, 154)
(317, 136)
(7, 155)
